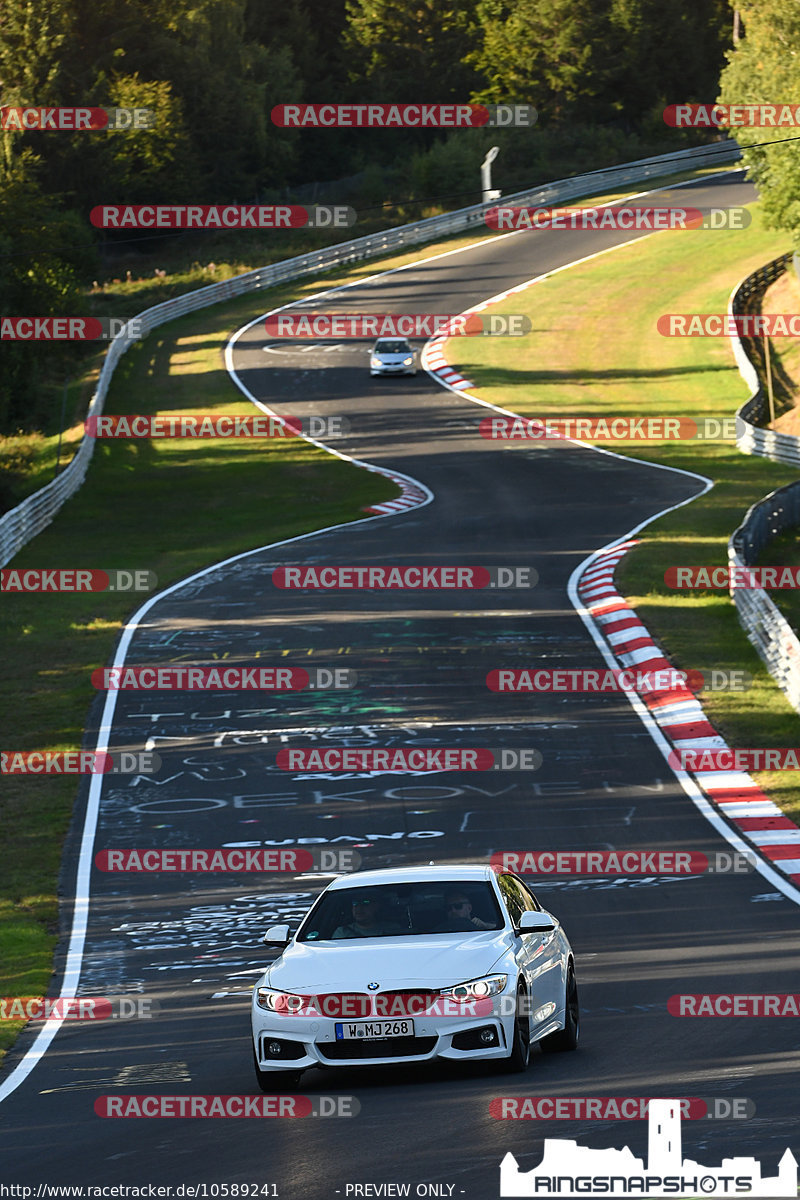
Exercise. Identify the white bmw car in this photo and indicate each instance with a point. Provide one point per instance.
(411, 964)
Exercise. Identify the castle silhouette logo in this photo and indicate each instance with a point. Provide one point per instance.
(568, 1169)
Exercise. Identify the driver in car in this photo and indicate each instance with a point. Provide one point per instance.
(367, 920)
(459, 915)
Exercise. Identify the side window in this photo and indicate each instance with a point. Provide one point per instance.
(531, 903)
(512, 897)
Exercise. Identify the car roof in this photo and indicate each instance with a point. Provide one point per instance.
(435, 874)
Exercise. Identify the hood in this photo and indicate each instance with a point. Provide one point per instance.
(438, 961)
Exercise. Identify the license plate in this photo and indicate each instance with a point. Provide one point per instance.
(372, 1030)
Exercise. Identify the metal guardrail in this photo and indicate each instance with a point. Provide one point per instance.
(36, 512)
(767, 629)
(751, 436)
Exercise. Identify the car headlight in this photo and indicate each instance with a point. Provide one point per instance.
(407, 362)
(375, 362)
(281, 1002)
(477, 989)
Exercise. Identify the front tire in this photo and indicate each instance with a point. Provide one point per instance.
(566, 1038)
(520, 1057)
(275, 1081)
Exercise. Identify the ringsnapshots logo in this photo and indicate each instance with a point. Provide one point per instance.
(222, 216)
(622, 862)
(341, 325)
(68, 329)
(224, 426)
(76, 579)
(568, 1170)
(78, 762)
(732, 116)
(509, 219)
(231, 860)
(419, 760)
(402, 577)
(223, 679)
(74, 120)
(203, 1107)
(616, 1108)
(403, 116)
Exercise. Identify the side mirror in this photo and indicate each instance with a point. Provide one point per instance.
(536, 922)
(277, 934)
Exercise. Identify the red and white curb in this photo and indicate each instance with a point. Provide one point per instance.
(437, 365)
(681, 719)
(412, 495)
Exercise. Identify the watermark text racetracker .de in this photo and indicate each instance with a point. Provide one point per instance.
(225, 426)
(731, 116)
(416, 760)
(345, 326)
(399, 576)
(616, 1108)
(79, 762)
(402, 116)
(77, 1008)
(67, 329)
(232, 860)
(226, 1106)
(74, 120)
(615, 429)
(76, 579)
(222, 216)
(729, 325)
(622, 862)
(723, 578)
(616, 679)
(626, 219)
(726, 1004)
(224, 679)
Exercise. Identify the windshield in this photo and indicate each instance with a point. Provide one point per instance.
(404, 909)
(392, 348)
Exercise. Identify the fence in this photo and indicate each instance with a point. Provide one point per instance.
(770, 633)
(767, 629)
(751, 437)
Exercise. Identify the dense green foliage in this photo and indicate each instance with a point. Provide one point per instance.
(764, 68)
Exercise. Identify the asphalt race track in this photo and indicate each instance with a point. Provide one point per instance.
(190, 943)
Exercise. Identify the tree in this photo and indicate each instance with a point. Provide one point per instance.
(764, 68)
(601, 60)
(412, 50)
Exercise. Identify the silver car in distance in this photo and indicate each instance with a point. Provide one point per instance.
(392, 356)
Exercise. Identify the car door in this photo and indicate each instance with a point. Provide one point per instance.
(538, 955)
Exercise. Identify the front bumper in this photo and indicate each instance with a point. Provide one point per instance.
(302, 1042)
